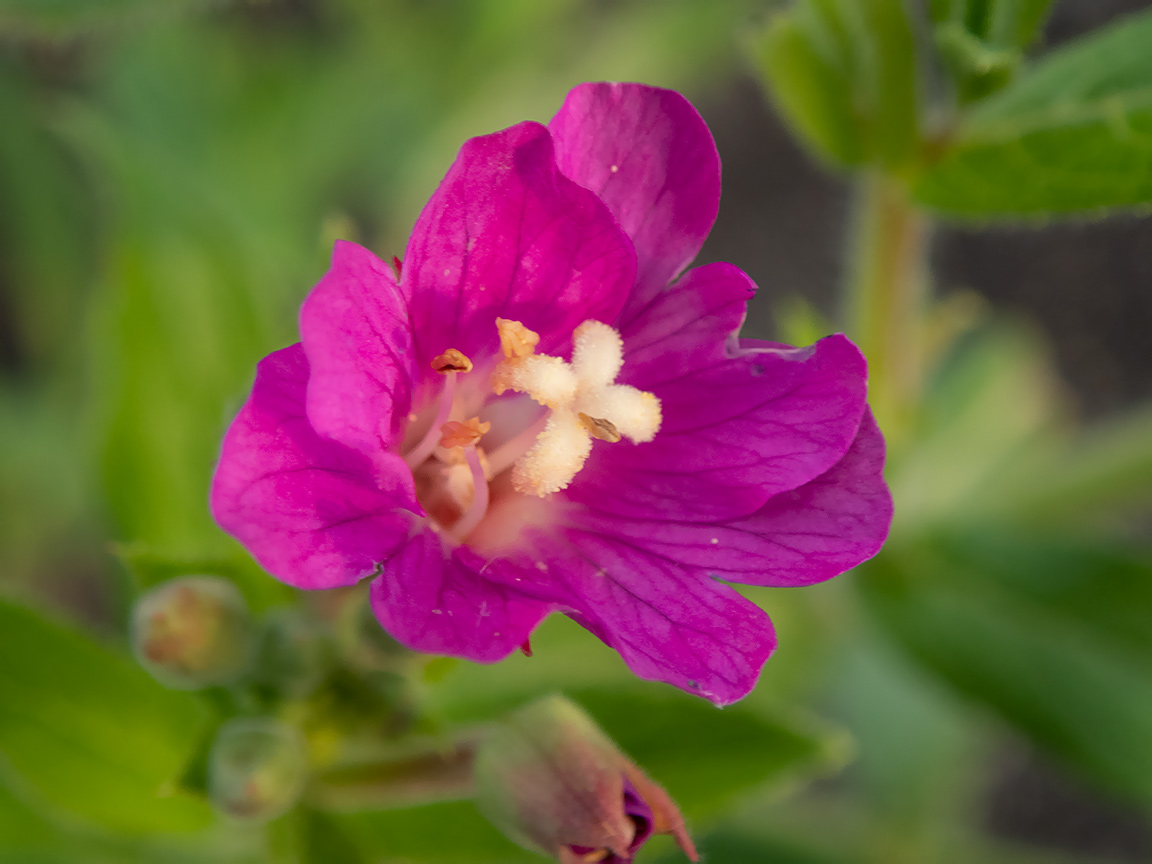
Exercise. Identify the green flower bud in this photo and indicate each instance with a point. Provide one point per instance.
(292, 654)
(551, 780)
(192, 632)
(257, 768)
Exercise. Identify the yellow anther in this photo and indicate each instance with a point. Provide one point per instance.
(605, 430)
(452, 361)
(516, 340)
(456, 434)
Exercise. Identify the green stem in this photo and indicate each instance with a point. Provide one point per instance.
(887, 295)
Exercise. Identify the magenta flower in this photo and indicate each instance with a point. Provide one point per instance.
(539, 416)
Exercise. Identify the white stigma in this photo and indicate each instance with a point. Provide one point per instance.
(555, 458)
(583, 399)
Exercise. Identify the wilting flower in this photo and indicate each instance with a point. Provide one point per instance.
(549, 778)
(537, 415)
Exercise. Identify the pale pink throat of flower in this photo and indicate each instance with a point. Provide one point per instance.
(583, 403)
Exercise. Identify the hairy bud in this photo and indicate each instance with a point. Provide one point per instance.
(553, 781)
(256, 769)
(192, 632)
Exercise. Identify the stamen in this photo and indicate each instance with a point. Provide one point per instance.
(604, 430)
(447, 364)
(457, 434)
(516, 340)
(452, 361)
(479, 505)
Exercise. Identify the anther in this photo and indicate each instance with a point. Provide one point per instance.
(604, 430)
(516, 340)
(457, 434)
(452, 361)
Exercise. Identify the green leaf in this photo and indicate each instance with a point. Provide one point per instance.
(703, 757)
(60, 18)
(87, 731)
(1072, 134)
(1017, 22)
(844, 75)
(1052, 635)
(1001, 23)
(811, 91)
(448, 833)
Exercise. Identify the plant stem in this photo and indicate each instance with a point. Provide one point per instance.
(886, 294)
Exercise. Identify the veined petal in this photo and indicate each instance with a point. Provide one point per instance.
(669, 622)
(692, 324)
(441, 601)
(355, 332)
(650, 157)
(506, 235)
(736, 431)
(807, 535)
(314, 513)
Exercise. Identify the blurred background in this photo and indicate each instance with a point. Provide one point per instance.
(172, 176)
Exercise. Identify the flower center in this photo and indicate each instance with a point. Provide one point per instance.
(544, 455)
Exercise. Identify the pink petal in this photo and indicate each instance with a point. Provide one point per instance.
(441, 601)
(669, 622)
(736, 431)
(650, 157)
(807, 535)
(314, 513)
(354, 329)
(507, 235)
(691, 324)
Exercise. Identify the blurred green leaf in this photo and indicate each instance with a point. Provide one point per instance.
(811, 90)
(705, 757)
(1051, 634)
(1072, 134)
(89, 732)
(448, 833)
(977, 68)
(731, 750)
(62, 18)
(993, 403)
(844, 75)
(1017, 22)
(1000, 23)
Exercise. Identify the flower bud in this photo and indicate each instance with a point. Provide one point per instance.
(292, 654)
(192, 632)
(553, 781)
(256, 768)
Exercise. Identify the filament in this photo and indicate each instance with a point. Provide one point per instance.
(479, 505)
(432, 437)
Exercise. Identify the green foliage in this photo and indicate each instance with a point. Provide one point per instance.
(844, 75)
(85, 730)
(728, 752)
(1001, 23)
(65, 18)
(1051, 635)
(1072, 134)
